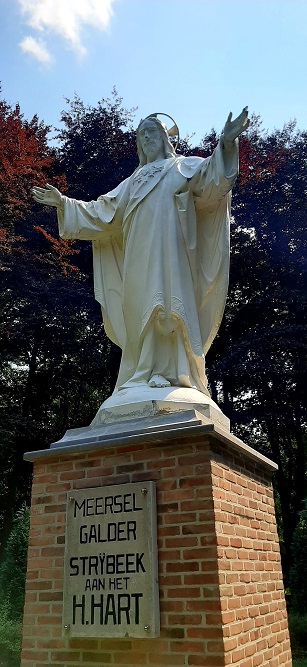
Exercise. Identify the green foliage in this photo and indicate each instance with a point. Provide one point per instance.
(298, 580)
(12, 586)
(298, 636)
(55, 367)
(97, 146)
(258, 363)
(10, 638)
(13, 568)
(55, 358)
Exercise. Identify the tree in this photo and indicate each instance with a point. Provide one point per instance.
(97, 152)
(55, 356)
(56, 366)
(298, 584)
(97, 146)
(258, 362)
(29, 271)
(13, 568)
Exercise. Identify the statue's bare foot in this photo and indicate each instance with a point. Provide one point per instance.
(158, 381)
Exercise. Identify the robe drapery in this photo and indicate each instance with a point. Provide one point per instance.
(161, 263)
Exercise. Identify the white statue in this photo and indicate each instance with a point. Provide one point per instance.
(161, 255)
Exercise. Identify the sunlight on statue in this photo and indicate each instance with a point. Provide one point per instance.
(161, 255)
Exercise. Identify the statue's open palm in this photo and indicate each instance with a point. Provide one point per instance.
(50, 196)
(233, 128)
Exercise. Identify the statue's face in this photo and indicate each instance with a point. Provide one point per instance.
(151, 140)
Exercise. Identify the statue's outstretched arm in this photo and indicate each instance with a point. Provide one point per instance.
(49, 196)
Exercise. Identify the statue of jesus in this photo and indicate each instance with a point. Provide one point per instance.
(160, 254)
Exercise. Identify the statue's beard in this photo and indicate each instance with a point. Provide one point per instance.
(150, 147)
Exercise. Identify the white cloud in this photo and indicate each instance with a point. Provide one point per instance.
(37, 49)
(66, 18)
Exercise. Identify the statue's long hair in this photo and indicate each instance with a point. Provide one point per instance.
(168, 147)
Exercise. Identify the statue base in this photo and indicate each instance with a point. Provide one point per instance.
(220, 579)
(145, 401)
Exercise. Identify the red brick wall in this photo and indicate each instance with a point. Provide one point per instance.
(255, 625)
(221, 597)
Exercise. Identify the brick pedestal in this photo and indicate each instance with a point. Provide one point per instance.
(221, 590)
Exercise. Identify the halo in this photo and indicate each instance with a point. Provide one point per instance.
(173, 131)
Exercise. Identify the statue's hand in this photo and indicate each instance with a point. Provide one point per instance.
(50, 196)
(233, 128)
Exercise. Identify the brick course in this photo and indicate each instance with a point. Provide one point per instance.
(221, 592)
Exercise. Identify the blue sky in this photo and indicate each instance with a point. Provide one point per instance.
(193, 59)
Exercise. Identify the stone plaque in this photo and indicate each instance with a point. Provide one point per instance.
(110, 569)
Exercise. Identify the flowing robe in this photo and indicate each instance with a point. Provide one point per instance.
(161, 263)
